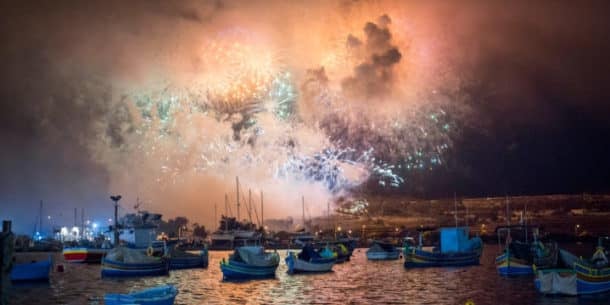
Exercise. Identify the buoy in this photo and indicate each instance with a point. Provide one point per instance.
(60, 268)
(150, 251)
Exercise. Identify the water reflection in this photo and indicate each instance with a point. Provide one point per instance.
(355, 282)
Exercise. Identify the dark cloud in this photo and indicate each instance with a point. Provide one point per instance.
(374, 76)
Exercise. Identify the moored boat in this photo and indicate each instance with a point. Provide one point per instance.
(521, 252)
(34, 271)
(456, 249)
(161, 295)
(579, 276)
(185, 260)
(84, 255)
(250, 262)
(124, 262)
(308, 260)
(382, 251)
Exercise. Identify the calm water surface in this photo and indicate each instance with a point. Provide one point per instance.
(355, 282)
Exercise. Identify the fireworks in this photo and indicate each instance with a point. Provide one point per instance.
(249, 115)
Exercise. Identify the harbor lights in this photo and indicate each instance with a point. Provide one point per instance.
(576, 228)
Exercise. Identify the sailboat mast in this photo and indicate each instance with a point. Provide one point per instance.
(237, 190)
(250, 205)
(303, 206)
(226, 212)
(262, 219)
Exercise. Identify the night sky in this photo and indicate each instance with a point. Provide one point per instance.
(524, 86)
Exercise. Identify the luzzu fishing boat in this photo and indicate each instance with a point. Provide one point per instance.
(581, 276)
(456, 249)
(308, 260)
(34, 271)
(250, 262)
(521, 252)
(84, 255)
(124, 262)
(161, 295)
(185, 260)
(382, 251)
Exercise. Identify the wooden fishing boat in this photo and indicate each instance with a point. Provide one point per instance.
(382, 251)
(161, 295)
(185, 260)
(84, 255)
(124, 262)
(249, 262)
(34, 271)
(456, 249)
(579, 276)
(308, 260)
(521, 252)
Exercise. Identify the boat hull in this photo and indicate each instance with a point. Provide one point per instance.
(382, 255)
(118, 269)
(508, 265)
(578, 281)
(84, 255)
(188, 262)
(164, 295)
(296, 265)
(30, 272)
(419, 259)
(233, 270)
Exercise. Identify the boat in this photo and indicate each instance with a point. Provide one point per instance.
(456, 249)
(161, 295)
(577, 276)
(308, 260)
(250, 262)
(121, 261)
(184, 260)
(521, 252)
(382, 251)
(84, 255)
(34, 271)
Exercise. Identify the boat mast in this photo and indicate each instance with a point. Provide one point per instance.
(226, 211)
(455, 209)
(250, 205)
(40, 218)
(262, 219)
(507, 212)
(303, 206)
(237, 191)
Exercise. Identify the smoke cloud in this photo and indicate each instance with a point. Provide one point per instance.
(169, 102)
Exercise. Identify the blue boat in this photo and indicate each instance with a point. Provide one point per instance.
(250, 262)
(521, 251)
(161, 295)
(456, 249)
(308, 260)
(184, 260)
(579, 275)
(124, 262)
(34, 271)
(382, 251)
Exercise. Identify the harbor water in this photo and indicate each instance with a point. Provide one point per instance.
(355, 282)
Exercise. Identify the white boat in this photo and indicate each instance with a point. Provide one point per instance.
(308, 260)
